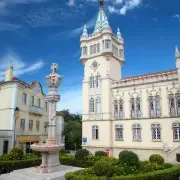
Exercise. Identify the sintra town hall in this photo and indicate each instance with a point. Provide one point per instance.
(139, 113)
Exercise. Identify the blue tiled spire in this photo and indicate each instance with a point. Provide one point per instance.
(102, 21)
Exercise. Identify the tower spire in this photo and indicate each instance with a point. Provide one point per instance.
(118, 33)
(102, 21)
(85, 34)
(176, 51)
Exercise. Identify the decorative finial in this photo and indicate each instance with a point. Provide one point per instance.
(54, 68)
(118, 34)
(176, 51)
(101, 2)
(85, 34)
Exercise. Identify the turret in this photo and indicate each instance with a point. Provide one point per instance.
(177, 57)
(119, 34)
(9, 74)
(85, 34)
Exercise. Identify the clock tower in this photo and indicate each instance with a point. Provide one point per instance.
(102, 54)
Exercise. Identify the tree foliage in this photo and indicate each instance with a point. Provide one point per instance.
(72, 130)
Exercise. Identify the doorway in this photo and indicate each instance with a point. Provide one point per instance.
(5, 147)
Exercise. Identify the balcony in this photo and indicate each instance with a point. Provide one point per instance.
(35, 110)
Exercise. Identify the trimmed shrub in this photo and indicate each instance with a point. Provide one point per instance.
(29, 156)
(129, 158)
(8, 166)
(156, 158)
(103, 168)
(100, 153)
(37, 153)
(81, 154)
(62, 151)
(167, 174)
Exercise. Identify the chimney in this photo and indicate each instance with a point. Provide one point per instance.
(9, 74)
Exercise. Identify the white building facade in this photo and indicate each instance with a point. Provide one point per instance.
(140, 113)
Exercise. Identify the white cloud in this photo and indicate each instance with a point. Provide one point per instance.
(177, 16)
(20, 67)
(71, 3)
(71, 98)
(125, 6)
(9, 26)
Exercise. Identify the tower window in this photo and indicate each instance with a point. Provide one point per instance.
(98, 47)
(121, 53)
(91, 105)
(84, 50)
(91, 79)
(107, 44)
(95, 132)
(97, 81)
(98, 104)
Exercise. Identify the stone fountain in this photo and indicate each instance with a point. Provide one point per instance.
(50, 149)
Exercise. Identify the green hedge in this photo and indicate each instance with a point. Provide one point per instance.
(8, 166)
(166, 174)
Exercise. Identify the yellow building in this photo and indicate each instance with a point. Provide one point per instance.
(31, 125)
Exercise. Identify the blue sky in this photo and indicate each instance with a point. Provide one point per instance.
(36, 33)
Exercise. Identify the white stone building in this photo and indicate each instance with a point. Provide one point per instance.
(140, 113)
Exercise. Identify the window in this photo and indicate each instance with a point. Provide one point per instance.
(107, 44)
(176, 131)
(22, 125)
(156, 132)
(5, 147)
(94, 48)
(98, 104)
(24, 98)
(30, 125)
(121, 53)
(116, 51)
(115, 109)
(97, 81)
(136, 132)
(119, 132)
(95, 133)
(38, 103)
(154, 106)
(172, 105)
(84, 50)
(121, 109)
(98, 47)
(91, 105)
(178, 103)
(37, 125)
(135, 107)
(91, 79)
(45, 106)
(32, 101)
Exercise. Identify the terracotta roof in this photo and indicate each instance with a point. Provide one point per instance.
(150, 75)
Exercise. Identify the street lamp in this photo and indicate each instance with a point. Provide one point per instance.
(16, 112)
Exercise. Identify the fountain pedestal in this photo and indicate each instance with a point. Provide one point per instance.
(50, 150)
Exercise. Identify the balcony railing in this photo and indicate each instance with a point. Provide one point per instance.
(35, 110)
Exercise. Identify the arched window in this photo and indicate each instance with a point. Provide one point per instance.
(91, 105)
(115, 109)
(98, 47)
(94, 48)
(119, 132)
(91, 81)
(176, 131)
(98, 104)
(154, 106)
(107, 44)
(136, 132)
(91, 49)
(121, 114)
(172, 105)
(95, 132)
(133, 111)
(138, 107)
(156, 131)
(97, 81)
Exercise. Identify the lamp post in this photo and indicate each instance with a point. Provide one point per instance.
(16, 112)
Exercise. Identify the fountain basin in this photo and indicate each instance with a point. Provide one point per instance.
(47, 147)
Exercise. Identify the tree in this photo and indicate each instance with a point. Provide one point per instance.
(72, 130)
